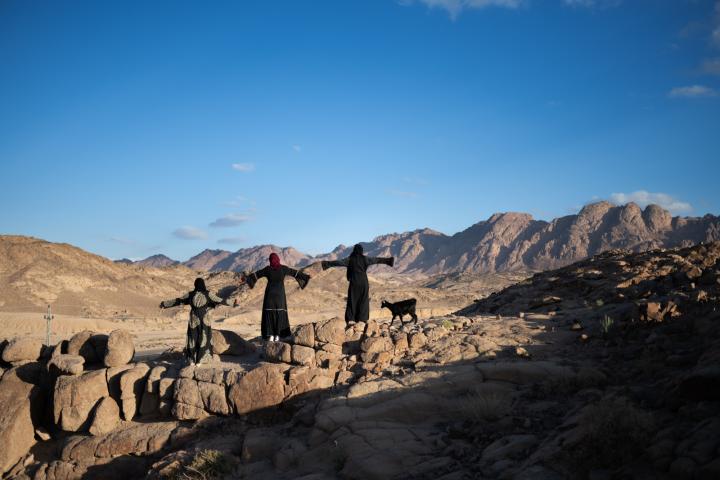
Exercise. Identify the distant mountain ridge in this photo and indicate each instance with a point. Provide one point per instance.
(503, 243)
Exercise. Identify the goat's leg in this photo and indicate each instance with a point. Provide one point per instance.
(414, 316)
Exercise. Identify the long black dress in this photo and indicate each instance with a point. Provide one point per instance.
(275, 319)
(199, 333)
(358, 297)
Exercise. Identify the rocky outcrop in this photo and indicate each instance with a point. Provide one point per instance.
(76, 397)
(22, 350)
(21, 404)
(89, 345)
(120, 349)
(226, 342)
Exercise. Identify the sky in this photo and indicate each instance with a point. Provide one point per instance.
(130, 128)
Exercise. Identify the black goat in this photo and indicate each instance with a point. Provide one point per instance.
(402, 308)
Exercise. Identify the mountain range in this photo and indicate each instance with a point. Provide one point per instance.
(505, 242)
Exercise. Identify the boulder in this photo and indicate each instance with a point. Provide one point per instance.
(331, 331)
(132, 386)
(213, 397)
(417, 340)
(22, 350)
(75, 398)
(113, 380)
(65, 364)
(260, 388)
(18, 400)
(226, 342)
(106, 418)
(377, 345)
(120, 348)
(188, 401)
(89, 345)
(278, 352)
(304, 335)
(303, 355)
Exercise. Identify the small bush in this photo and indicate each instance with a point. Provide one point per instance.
(447, 324)
(606, 323)
(207, 465)
(478, 406)
(614, 433)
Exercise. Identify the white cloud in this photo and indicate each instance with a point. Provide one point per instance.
(190, 233)
(455, 7)
(645, 198)
(692, 91)
(711, 66)
(243, 167)
(592, 3)
(415, 181)
(232, 220)
(297, 148)
(232, 240)
(402, 193)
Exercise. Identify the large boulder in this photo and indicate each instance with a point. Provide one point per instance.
(278, 352)
(226, 342)
(260, 388)
(76, 397)
(19, 397)
(89, 345)
(303, 355)
(188, 400)
(304, 335)
(331, 331)
(106, 418)
(64, 364)
(132, 386)
(22, 350)
(120, 348)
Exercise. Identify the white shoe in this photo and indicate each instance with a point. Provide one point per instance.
(277, 338)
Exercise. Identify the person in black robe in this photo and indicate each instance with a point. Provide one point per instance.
(199, 333)
(275, 322)
(358, 297)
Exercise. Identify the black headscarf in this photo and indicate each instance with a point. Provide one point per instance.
(357, 250)
(200, 285)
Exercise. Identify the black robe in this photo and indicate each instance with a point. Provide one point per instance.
(275, 319)
(358, 297)
(198, 348)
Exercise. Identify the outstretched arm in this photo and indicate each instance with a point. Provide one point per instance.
(334, 263)
(301, 277)
(252, 278)
(184, 300)
(389, 261)
(216, 300)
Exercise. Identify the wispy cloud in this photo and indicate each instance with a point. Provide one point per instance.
(243, 167)
(415, 181)
(297, 148)
(645, 198)
(715, 35)
(189, 233)
(456, 7)
(232, 220)
(592, 3)
(711, 66)
(240, 201)
(232, 241)
(121, 240)
(402, 193)
(692, 91)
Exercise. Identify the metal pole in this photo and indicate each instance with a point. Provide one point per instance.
(48, 317)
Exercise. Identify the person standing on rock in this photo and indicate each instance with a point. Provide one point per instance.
(199, 333)
(275, 322)
(358, 297)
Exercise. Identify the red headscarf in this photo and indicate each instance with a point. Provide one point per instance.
(274, 261)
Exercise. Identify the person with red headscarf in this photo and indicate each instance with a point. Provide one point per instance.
(275, 322)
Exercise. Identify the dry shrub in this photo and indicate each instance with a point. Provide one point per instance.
(614, 432)
(207, 465)
(479, 406)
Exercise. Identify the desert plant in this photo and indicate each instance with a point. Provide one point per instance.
(606, 323)
(207, 465)
(478, 406)
(614, 432)
(447, 324)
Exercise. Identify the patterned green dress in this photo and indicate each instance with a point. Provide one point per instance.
(199, 334)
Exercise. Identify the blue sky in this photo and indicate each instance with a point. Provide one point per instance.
(131, 128)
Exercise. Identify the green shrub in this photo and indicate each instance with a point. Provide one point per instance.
(207, 465)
